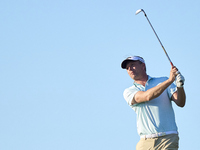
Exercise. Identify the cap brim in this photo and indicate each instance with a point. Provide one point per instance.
(124, 63)
(133, 58)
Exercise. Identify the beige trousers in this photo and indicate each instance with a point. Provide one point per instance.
(167, 142)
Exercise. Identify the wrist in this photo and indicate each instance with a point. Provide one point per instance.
(170, 81)
(179, 84)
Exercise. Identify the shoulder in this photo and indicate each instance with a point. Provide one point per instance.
(154, 81)
(131, 89)
(157, 79)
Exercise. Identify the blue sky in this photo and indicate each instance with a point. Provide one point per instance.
(61, 81)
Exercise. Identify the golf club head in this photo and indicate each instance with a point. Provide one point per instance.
(139, 10)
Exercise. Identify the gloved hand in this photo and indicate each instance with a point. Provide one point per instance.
(179, 80)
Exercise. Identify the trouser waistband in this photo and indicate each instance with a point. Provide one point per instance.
(158, 134)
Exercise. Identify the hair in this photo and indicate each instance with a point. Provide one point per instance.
(143, 63)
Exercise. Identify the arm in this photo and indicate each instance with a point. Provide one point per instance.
(143, 96)
(179, 97)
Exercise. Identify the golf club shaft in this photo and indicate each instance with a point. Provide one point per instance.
(159, 40)
(141, 10)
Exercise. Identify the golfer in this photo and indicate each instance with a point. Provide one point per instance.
(151, 98)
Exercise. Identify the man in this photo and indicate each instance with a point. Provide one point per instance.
(151, 98)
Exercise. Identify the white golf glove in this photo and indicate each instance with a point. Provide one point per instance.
(179, 80)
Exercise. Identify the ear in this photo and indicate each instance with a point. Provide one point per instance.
(144, 66)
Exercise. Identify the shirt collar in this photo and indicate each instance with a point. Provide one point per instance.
(149, 78)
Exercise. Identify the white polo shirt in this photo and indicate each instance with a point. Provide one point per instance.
(156, 115)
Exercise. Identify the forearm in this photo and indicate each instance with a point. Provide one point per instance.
(180, 98)
(157, 90)
(143, 96)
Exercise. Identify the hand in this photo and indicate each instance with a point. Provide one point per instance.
(173, 73)
(179, 80)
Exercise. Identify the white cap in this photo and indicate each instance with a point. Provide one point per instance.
(131, 58)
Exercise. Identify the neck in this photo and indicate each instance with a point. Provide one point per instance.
(143, 80)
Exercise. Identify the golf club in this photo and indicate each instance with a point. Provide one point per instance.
(141, 10)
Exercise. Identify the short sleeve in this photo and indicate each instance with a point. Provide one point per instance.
(171, 89)
(129, 93)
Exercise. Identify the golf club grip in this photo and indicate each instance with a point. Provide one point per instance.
(171, 64)
(166, 53)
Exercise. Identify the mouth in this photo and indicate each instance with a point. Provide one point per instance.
(132, 73)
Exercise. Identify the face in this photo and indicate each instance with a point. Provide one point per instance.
(135, 69)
